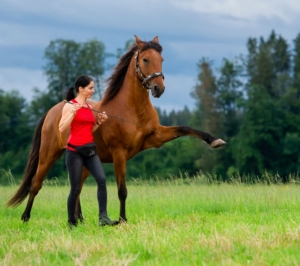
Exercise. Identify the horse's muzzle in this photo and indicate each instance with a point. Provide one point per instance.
(157, 91)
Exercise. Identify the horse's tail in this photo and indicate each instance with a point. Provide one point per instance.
(31, 167)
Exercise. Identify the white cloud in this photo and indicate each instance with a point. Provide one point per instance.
(22, 80)
(209, 49)
(89, 12)
(188, 30)
(95, 11)
(17, 34)
(37, 22)
(247, 9)
(175, 97)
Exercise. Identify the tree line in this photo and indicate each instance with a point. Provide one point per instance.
(250, 101)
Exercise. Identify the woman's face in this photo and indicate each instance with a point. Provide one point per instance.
(88, 91)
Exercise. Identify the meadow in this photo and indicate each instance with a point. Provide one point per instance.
(173, 222)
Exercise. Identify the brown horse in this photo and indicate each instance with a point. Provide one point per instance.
(133, 125)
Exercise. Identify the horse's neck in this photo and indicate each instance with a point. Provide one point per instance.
(133, 94)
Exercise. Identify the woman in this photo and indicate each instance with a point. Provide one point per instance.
(79, 118)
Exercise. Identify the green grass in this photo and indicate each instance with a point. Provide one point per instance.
(171, 223)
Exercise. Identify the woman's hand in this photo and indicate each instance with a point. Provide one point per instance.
(68, 114)
(101, 117)
(75, 107)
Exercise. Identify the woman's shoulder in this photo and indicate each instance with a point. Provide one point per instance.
(67, 106)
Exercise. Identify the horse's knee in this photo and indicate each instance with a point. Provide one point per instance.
(122, 192)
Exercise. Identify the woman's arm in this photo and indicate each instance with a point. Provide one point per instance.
(68, 114)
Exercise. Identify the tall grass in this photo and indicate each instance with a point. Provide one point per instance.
(179, 221)
(207, 178)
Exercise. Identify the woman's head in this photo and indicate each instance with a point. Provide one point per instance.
(80, 83)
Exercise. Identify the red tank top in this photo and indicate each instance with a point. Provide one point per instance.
(81, 128)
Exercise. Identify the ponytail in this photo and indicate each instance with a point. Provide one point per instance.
(81, 81)
(70, 94)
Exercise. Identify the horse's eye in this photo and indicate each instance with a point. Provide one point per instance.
(145, 60)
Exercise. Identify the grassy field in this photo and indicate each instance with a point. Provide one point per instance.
(169, 223)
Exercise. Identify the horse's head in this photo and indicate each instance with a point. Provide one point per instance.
(149, 66)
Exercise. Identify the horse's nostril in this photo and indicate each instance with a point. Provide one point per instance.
(156, 88)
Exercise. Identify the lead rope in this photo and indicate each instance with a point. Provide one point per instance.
(121, 119)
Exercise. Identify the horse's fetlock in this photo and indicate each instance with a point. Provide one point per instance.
(122, 193)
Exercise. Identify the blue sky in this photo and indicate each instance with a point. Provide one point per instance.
(187, 29)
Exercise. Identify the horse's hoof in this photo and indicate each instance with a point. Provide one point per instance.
(25, 218)
(218, 143)
(81, 219)
(72, 224)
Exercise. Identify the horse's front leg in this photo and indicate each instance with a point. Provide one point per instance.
(119, 159)
(164, 134)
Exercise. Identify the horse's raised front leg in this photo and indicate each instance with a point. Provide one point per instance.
(164, 134)
(45, 163)
(119, 159)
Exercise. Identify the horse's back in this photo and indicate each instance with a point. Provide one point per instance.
(52, 139)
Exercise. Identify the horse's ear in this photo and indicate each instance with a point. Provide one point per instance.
(155, 39)
(139, 43)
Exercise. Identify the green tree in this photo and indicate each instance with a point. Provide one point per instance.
(207, 116)
(15, 134)
(230, 98)
(265, 134)
(268, 64)
(39, 105)
(61, 67)
(67, 59)
(205, 93)
(258, 144)
(15, 129)
(184, 116)
(174, 118)
(296, 64)
(291, 104)
(92, 58)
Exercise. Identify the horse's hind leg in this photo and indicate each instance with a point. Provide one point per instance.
(43, 168)
(78, 211)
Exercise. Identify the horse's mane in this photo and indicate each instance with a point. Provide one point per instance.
(116, 80)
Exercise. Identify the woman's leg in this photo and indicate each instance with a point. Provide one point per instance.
(94, 165)
(74, 162)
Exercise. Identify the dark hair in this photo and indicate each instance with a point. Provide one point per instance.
(81, 81)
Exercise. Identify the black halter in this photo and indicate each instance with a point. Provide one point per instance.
(145, 83)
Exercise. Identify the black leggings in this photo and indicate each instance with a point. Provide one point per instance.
(75, 162)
